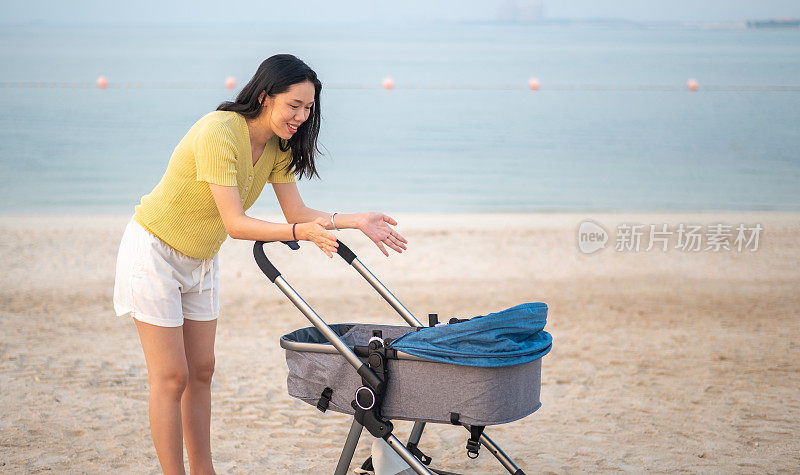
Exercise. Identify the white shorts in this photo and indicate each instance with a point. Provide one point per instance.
(159, 285)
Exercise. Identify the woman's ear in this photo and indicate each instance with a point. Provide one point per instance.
(265, 100)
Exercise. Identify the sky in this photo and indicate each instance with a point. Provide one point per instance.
(341, 11)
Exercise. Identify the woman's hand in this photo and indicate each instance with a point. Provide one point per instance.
(376, 227)
(315, 232)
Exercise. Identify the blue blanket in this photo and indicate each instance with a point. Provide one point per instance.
(513, 336)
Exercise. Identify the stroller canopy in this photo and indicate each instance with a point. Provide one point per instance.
(511, 337)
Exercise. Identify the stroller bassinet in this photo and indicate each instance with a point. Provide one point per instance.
(417, 389)
(474, 373)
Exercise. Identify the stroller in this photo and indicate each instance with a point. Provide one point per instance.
(470, 373)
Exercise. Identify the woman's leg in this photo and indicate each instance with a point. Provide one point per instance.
(198, 338)
(167, 372)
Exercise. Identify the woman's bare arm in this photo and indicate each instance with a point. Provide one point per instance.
(376, 226)
(295, 210)
(240, 226)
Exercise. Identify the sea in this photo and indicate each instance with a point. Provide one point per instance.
(612, 127)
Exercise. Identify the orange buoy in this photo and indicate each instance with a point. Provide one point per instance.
(230, 82)
(102, 82)
(533, 84)
(388, 83)
(692, 85)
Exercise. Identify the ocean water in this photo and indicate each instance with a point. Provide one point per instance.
(460, 132)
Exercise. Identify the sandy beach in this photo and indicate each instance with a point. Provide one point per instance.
(662, 361)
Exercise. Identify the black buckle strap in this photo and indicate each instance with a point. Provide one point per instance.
(325, 399)
(474, 441)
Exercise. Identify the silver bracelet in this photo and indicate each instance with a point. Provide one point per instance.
(333, 223)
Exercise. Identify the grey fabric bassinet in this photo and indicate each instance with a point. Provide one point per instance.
(417, 389)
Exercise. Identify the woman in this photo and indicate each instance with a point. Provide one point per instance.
(168, 268)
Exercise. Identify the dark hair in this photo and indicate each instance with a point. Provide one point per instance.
(274, 76)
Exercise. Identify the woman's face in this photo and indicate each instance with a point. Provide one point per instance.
(287, 111)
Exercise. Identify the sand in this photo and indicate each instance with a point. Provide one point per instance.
(662, 361)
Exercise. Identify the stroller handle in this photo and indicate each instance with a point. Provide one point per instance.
(272, 272)
(370, 377)
(350, 257)
(261, 258)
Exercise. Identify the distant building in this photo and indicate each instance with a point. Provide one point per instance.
(776, 23)
(523, 11)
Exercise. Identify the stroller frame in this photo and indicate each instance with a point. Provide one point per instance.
(373, 378)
